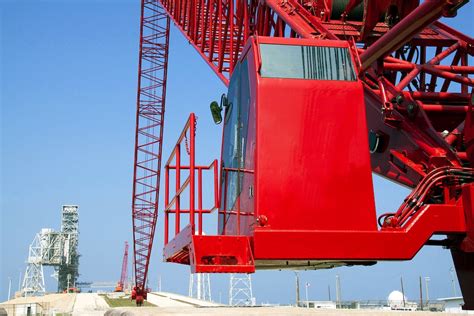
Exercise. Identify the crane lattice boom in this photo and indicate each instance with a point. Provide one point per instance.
(123, 274)
(151, 96)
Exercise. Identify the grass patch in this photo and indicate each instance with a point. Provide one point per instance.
(122, 302)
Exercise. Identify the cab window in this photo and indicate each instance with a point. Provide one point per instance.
(235, 137)
(306, 62)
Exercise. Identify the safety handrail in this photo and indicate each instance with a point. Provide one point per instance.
(173, 205)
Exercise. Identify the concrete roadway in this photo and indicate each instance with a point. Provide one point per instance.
(165, 299)
(89, 304)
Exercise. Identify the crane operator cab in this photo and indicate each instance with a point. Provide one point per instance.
(295, 156)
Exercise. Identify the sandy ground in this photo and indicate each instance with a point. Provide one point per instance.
(89, 304)
(251, 311)
(174, 304)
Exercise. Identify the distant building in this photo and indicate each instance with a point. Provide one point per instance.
(454, 305)
(397, 301)
(318, 304)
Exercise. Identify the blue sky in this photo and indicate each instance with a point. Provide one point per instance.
(68, 87)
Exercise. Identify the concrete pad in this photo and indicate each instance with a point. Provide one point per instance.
(165, 299)
(89, 304)
(254, 311)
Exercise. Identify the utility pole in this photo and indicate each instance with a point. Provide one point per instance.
(329, 292)
(19, 282)
(403, 291)
(159, 283)
(297, 288)
(421, 294)
(452, 281)
(338, 291)
(307, 285)
(427, 279)
(9, 288)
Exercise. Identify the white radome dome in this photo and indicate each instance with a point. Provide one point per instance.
(396, 298)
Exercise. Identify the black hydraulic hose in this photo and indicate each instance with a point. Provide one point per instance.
(416, 199)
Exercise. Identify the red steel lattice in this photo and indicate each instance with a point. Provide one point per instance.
(123, 274)
(427, 64)
(154, 41)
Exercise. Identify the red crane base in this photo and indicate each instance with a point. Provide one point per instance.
(211, 254)
(268, 246)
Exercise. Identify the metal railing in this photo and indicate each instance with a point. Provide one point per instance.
(173, 206)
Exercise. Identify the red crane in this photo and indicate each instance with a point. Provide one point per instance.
(123, 276)
(321, 94)
(152, 67)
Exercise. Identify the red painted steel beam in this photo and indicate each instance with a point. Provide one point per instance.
(400, 244)
(151, 95)
(428, 12)
(449, 31)
(409, 67)
(444, 108)
(439, 96)
(304, 23)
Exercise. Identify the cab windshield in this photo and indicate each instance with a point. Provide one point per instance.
(306, 62)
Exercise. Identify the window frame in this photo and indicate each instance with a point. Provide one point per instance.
(352, 73)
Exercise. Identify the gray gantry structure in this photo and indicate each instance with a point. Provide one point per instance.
(68, 270)
(57, 249)
(240, 290)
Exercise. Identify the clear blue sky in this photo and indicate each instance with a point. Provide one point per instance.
(68, 85)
